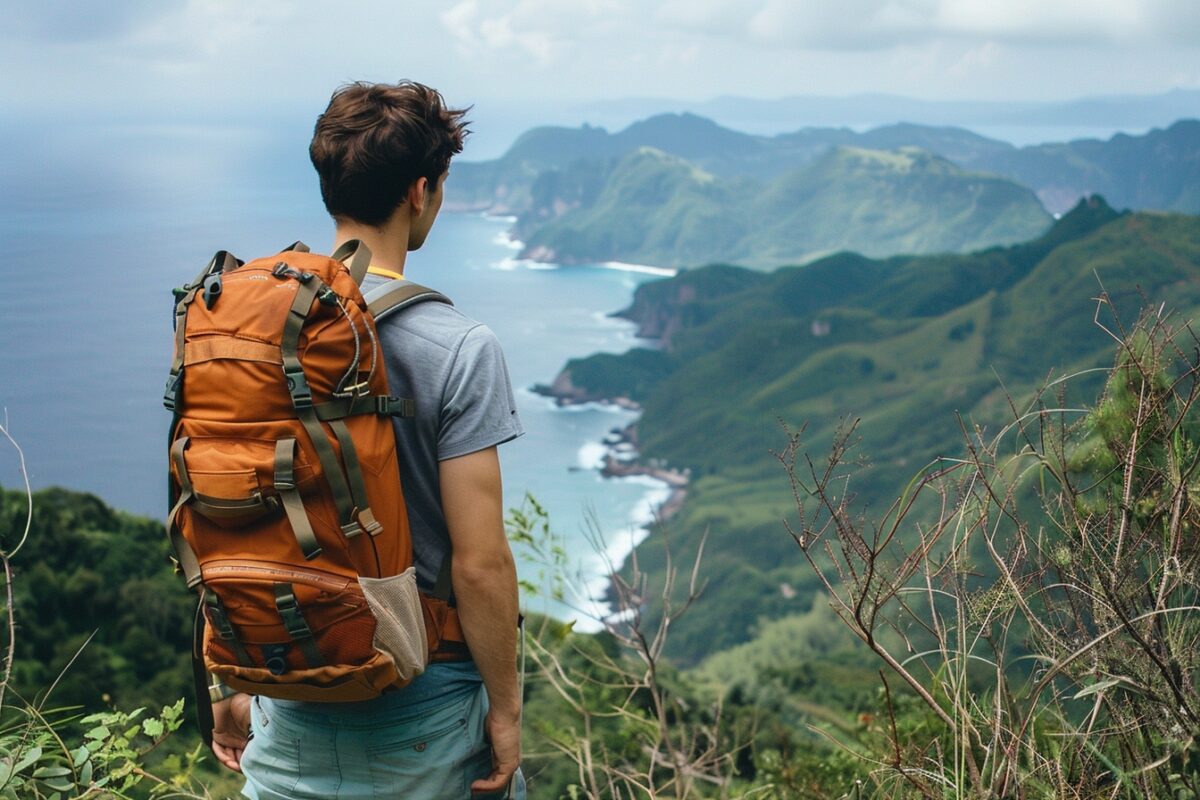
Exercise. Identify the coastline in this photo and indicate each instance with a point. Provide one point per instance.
(623, 461)
(614, 456)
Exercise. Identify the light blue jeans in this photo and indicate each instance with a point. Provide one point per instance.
(429, 751)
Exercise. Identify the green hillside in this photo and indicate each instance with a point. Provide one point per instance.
(1159, 169)
(89, 572)
(656, 208)
(905, 343)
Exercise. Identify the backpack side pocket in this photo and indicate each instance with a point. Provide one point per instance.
(399, 620)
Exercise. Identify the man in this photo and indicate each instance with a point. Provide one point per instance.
(383, 153)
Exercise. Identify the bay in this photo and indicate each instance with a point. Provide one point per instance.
(97, 225)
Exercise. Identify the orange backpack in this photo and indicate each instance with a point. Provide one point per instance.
(287, 514)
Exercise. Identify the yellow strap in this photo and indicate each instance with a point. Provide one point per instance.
(385, 273)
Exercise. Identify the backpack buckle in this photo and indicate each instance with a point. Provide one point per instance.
(171, 395)
(298, 387)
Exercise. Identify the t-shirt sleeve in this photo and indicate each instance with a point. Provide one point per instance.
(478, 409)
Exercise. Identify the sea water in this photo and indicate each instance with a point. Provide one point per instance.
(98, 225)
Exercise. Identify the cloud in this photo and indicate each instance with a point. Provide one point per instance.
(72, 21)
(848, 24)
(542, 29)
(188, 58)
(882, 24)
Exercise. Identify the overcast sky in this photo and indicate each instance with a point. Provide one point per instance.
(170, 60)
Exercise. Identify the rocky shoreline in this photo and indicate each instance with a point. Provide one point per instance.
(623, 461)
(563, 393)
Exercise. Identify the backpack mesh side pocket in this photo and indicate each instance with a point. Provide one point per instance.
(400, 622)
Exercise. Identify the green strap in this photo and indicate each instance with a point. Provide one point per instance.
(302, 401)
(395, 296)
(175, 377)
(383, 405)
(184, 553)
(359, 255)
(297, 628)
(290, 341)
(256, 505)
(357, 485)
(204, 712)
(293, 506)
(223, 261)
(334, 476)
(224, 629)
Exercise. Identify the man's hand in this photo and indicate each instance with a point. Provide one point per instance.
(505, 736)
(231, 730)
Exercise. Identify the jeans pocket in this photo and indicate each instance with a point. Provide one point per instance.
(271, 761)
(422, 756)
(399, 620)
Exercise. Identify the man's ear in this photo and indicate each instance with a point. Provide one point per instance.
(416, 195)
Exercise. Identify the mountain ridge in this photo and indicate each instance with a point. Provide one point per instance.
(1080, 167)
(909, 344)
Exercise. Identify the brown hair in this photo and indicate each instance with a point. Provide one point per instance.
(375, 139)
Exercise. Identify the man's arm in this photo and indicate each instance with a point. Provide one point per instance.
(485, 587)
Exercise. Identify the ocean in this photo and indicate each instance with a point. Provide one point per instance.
(98, 225)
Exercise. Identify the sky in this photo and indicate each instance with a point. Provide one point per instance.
(523, 62)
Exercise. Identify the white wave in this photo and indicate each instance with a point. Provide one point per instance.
(591, 405)
(505, 239)
(666, 272)
(510, 264)
(655, 498)
(591, 455)
(587, 588)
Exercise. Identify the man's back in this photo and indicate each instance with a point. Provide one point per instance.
(454, 369)
(382, 153)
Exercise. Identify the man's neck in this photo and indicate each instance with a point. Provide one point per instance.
(388, 244)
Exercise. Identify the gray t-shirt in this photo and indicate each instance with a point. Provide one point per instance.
(454, 369)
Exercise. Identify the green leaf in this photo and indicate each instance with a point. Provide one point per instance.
(1099, 686)
(30, 758)
(152, 728)
(79, 756)
(98, 732)
(51, 772)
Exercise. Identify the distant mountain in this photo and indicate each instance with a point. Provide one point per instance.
(1114, 112)
(1160, 170)
(907, 343)
(504, 185)
(550, 171)
(656, 208)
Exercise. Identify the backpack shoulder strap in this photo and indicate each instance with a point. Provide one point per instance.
(395, 296)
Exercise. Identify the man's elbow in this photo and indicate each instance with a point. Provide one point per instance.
(477, 570)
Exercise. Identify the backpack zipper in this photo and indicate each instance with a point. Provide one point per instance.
(216, 572)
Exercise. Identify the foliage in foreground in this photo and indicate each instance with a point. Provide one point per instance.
(1038, 598)
(55, 753)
